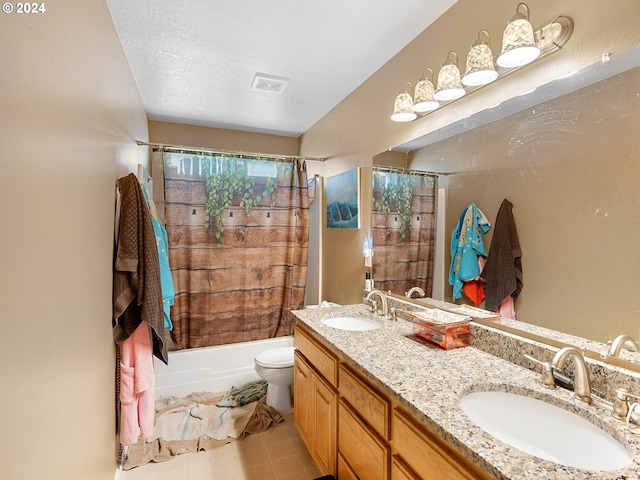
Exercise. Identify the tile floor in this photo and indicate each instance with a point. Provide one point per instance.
(275, 454)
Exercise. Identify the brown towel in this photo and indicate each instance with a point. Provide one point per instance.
(137, 294)
(503, 271)
(263, 417)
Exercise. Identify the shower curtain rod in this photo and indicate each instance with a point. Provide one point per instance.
(407, 170)
(231, 152)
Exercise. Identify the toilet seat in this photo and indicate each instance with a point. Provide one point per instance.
(276, 358)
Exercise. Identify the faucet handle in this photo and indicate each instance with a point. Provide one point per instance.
(546, 379)
(621, 403)
(374, 306)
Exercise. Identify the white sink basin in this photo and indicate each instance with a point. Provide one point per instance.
(545, 431)
(356, 324)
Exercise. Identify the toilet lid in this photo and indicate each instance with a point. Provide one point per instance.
(276, 357)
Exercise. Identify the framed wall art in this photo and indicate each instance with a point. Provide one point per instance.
(343, 200)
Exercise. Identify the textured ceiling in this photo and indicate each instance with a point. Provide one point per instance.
(194, 61)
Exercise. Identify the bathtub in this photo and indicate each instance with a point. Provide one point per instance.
(211, 369)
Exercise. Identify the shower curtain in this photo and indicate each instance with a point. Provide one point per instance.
(403, 230)
(238, 233)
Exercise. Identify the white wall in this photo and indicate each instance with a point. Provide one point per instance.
(69, 115)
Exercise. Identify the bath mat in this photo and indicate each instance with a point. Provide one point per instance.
(194, 423)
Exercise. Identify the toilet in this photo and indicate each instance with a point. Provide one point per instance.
(276, 367)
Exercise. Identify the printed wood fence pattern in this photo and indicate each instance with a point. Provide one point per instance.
(243, 287)
(401, 264)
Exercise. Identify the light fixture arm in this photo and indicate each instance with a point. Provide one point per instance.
(520, 16)
(480, 40)
(424, 75)
(450, 61)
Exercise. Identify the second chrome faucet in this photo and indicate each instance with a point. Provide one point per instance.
(582, 381)
(383, 300)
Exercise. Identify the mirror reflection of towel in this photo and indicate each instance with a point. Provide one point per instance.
(467, 247)
(503, 271)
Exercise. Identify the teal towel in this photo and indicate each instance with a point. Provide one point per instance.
(243, 395)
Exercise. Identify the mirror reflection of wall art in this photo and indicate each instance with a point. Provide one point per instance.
(343, 196)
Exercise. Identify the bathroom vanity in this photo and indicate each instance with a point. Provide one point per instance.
(381, 404)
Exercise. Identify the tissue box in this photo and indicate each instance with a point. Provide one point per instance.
(445, 329)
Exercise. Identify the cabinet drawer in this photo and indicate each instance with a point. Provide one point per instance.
(365, 453)
(370, 404)
(427, 454)
(325, 362)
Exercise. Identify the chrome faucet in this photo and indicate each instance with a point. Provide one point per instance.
(582, 382)
(620, 342)
(414, 289)
(383, 300)
(394, 313)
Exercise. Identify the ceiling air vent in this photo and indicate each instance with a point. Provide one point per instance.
(269, 83)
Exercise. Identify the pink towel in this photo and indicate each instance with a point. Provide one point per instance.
(507, 308)
(136, 386)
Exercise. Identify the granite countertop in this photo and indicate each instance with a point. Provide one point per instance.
(429, 381)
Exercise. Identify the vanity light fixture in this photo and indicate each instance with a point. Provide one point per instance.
(518, 42)
(480, 69)
(424, 101)
(520, 47)
(403, 107)
(449, 83)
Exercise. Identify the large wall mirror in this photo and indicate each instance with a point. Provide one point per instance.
(570, 164)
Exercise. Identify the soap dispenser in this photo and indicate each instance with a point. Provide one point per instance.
(368, 283)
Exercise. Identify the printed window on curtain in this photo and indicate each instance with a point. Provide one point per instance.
(238, 233)
(403, 230)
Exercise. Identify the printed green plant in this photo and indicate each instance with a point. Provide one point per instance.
(228, 182)
(396, 193)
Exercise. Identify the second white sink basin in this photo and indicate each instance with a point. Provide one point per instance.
(357, 324)
(545, 431)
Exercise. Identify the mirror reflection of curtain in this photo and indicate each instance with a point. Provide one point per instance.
(403, 230)
(238, 243)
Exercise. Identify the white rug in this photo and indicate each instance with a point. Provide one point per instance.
(195, 420)
(194, 423)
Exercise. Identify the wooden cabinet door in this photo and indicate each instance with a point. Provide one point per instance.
(325, 423)
(303, 415)
(315, 412)
(344, 470)
(399, 471)
(427, 454)
(365, 452)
